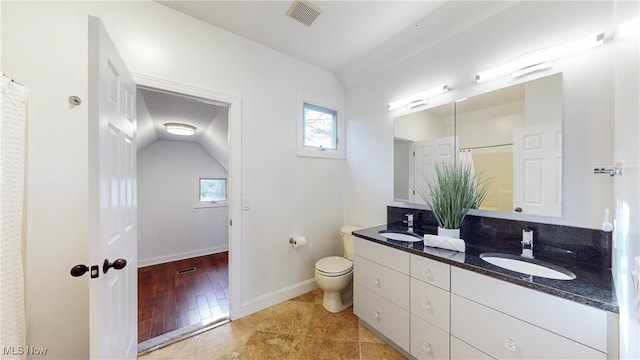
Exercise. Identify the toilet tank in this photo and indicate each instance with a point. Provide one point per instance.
(347, 239)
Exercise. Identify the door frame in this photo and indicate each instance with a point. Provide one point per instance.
(235, 175)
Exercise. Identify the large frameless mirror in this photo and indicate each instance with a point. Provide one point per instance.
(511, 136)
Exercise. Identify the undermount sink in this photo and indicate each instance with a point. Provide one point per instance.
(400, 235)
(528, 266)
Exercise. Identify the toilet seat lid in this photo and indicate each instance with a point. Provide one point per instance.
(335, 265)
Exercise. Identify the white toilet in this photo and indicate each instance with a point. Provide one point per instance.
(334, 275)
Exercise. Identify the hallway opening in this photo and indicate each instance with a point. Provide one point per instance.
(183, 236)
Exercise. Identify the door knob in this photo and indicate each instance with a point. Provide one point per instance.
(518, 209)
(81, 269)
(118, 264)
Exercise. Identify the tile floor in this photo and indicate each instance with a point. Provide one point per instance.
(296, 329)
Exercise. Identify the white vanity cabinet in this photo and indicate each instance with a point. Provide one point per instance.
(430, 299)
(507, 321)
(381, 290)
(463, 351)
(434, 310)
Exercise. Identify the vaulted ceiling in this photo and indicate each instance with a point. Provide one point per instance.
(156, 108)
(353, 39)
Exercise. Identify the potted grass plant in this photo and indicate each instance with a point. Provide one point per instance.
(451, 193)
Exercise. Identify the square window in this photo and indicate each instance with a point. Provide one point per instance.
(213, 190)
(319, 127)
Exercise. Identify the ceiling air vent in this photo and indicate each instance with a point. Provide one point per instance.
(303, 11)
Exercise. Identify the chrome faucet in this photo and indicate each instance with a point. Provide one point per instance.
(409, 222)
(527, 243)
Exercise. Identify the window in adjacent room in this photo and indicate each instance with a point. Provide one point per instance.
(320, 131)
(211, 192)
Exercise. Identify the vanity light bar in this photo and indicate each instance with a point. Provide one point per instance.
(417, 103)
(419, 98)
(628, 28)
(530, 69)
(541, 59)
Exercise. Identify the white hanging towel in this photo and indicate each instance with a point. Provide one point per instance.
(12, 153)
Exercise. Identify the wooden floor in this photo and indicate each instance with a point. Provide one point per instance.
(169, 301)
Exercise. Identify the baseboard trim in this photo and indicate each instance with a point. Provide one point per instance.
(262, 302)
(181, 256)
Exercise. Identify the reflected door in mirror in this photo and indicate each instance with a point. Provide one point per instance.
(537, 172)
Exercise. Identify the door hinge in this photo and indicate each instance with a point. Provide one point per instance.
(230, 222)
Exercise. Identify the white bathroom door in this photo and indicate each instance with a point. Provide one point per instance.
(537, 170)
(428, 153)
(113, 204)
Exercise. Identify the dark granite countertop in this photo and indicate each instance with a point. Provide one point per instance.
(592, 286)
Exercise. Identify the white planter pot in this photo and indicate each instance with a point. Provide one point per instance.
(452, 233)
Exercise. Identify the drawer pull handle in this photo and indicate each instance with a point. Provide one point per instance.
(427, 272)
(376, 282)
(509, 344)
(426, 347)
(376, 315)
(427, 305)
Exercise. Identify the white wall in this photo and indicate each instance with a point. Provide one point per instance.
(489, 126)
(145, 123)
(543, 101)
(52, 62)
(169, 227)
(421, 125)
(44, 46)
(587, 90)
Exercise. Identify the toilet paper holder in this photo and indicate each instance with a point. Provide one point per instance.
(297, 241)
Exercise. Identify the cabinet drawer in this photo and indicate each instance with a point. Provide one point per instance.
(460, 350)
(384, 255)
(582, 323)
(431, 271)
(387, 318)
(388, 283)
(427, 341)
(504, 337)
(430, 303)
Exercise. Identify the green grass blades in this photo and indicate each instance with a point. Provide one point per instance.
(453, 191)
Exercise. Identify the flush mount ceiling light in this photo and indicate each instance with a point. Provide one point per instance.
(180, 129)
(541, 59)
(419, 98)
